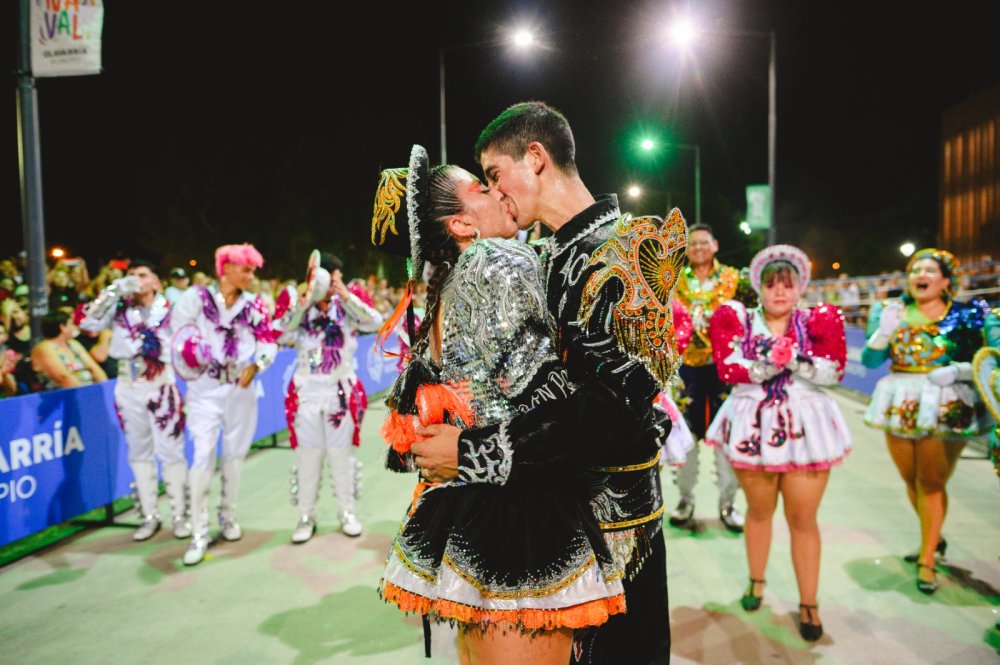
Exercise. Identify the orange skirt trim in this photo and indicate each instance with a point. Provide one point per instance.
(592, 613)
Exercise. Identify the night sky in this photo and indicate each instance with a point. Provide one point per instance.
(230, 123)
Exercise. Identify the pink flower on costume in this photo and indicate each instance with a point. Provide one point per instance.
(782, 351)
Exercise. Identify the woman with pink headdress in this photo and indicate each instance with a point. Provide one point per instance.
(780, 431)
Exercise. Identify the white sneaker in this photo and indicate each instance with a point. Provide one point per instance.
(182, 528)
(230, 529)
(349, 524)
(150, 525)
(305, 530)
(196, 550)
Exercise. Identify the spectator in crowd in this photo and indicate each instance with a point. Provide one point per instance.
(21, 296)
(15, 321)
(62, 361)
(200, 279)
(179, 282)
(8, 362)
(97, 343)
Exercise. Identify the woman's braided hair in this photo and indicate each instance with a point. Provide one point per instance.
(439, 247)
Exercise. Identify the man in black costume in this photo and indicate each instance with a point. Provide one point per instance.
(609, 424)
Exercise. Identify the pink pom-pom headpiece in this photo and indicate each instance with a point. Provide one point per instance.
(242, 255)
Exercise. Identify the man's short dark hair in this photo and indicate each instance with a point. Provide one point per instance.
(511, 132)
(701, 227)
(142, 263)
(329, 262)
(52, 323)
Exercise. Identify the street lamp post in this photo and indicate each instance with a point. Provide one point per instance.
(683, 32)
(520, 39)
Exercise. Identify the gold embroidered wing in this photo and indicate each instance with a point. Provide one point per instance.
(647, 255)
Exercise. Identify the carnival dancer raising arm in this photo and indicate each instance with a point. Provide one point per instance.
(326, 400)
(222, 338)
(148, 402)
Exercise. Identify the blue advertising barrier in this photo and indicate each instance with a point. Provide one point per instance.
(62, 453)
(857, 376)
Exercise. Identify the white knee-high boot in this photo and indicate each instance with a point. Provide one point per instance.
(175, 479)
(341, 463)
(147, 487)
(309, 463)
(200, 481)
(232, 469)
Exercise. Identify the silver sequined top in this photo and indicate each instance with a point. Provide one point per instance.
(495, 337)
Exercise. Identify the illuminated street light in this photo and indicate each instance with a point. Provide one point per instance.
(836, 265)
(907, 248)
(648, 145)
(634, 191)
(682, 33)
(58, 252)
(682, 28)
(521, 39)
(745, 227)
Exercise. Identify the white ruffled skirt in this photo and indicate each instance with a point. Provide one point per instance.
(908, 405)
(805, 431)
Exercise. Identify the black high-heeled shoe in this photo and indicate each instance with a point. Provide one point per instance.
(923, 586)
(938, 552)
(751, 602)
(807, 629)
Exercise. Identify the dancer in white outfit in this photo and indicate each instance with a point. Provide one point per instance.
(148, 402)
(223, 338)
(325, 401)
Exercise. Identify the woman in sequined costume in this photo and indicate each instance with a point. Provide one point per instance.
(780, 431)
(518, 565)
(926, 405)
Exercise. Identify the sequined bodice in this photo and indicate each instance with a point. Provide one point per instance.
(495, 342)
(953, 338)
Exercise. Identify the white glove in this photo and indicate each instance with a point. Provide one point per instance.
(889, 320)
(949, 374)
(126, 286)
(762, 370)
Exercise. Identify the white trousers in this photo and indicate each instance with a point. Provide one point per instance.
(324, 430)
(215, 407)
(152, 419)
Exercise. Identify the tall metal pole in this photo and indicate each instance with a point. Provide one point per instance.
(772, 129)
(444, 129)
(697, 184)
(30, 172)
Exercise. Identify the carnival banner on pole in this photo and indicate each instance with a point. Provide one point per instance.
(66, 37)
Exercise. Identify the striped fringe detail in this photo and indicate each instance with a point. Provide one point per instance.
(592, 613)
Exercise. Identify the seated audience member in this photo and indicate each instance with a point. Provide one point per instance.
(60, 360)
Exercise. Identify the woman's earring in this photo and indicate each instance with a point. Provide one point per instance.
(475, 235)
